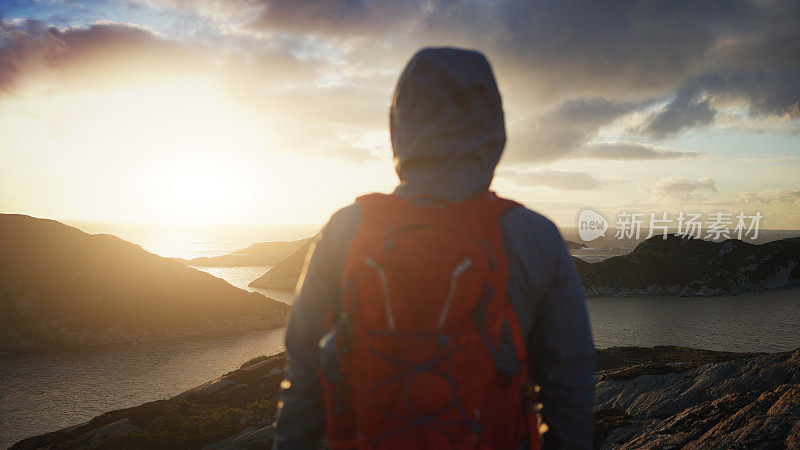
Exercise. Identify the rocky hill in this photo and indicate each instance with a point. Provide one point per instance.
(742, 403)
(285, 274)
(61, 286)
(661, 397)
(694, 267)
(259, 254)
(572, 246)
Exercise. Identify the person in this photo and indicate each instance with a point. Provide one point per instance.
(448, 133)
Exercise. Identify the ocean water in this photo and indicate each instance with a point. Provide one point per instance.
(175, 241)
(45, 391)
(242, 276)
(753, 322)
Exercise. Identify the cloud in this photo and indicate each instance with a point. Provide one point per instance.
(779, 197)
(335, 17)
(680, 188)
(567, 132)
(631, 151)
(23, 47)
(99, 52)
(277, 90)
(108, 52)
(567, 69)
(687, 110)
(697, 54)
(562, 180)
(561, 132)
(769, 160)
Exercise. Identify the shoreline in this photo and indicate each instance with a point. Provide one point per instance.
(200, 336)
(713, 296)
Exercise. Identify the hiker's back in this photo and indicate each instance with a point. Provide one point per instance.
(424, 306)
(431, 354)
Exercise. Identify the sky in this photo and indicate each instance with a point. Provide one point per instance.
(267, 111)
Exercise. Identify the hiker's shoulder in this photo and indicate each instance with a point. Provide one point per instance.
(345, 217)
(342, 225)
(520, 220)
(530, 235)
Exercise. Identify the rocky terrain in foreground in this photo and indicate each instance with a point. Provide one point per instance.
(660, 397)
(61, 286)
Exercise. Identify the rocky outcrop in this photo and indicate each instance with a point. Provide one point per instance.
(661, 397)
(285, 274)
(742, 403)
(259, 254)
(572, 246)
(693, 267)
(61, 286)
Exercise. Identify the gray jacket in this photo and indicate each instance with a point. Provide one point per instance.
(448, 134)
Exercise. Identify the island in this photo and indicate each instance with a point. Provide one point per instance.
(689, 267)
(61, 286)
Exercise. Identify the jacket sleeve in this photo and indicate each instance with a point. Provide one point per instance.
(301, 412)
(563, 356)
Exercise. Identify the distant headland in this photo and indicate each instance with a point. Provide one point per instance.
(61, 286)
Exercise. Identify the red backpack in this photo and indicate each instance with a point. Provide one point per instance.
(410, 359)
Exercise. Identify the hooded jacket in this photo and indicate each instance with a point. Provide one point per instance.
(448, 133)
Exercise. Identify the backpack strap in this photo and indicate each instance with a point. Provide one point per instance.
(501, 206)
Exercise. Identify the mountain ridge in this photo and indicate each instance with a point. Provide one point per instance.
(61, 286)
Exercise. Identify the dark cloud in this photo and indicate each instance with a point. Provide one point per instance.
(767, 92)
(631, 151)
(23, 47)
(561, 132)
(100, 51)
(335, 17)
(699, 54)
(687, 110)
(108, 52)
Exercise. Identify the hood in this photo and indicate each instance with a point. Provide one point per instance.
(447, 125)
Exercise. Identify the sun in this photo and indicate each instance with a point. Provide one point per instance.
(196, 193)
(180, 151)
